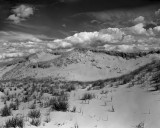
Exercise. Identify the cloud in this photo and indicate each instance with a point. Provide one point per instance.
(157, 28)
(58, 44)
(122, 39)
(120, 47)
(123, 18)
(139, 19)
(126, 39)
(157, 13)
(17, 36)
(115, 33)
(95, 22)
(82, 37)
(20, 13)
(138, 29)
(112, 35)
(109, 35)
(121, 15)
(10, 55)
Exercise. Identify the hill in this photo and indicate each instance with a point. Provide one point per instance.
(76, 65)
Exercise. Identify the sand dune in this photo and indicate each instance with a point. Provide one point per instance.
(75, 65)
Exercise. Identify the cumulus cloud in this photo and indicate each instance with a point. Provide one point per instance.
(157, 13)
(16, 44)
(82, 37)
(110, 35)
(127, 39)
(116, 34)
(138, 29)
(58, 44)
(130, 38)
(20, 13)
(96, 38)
(139, 19)
(157, 28)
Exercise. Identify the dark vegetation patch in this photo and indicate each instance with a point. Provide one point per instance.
(127, 55)
(34, 114)
(14, 122)
(87, 96)
(5, 111)
(40, 65)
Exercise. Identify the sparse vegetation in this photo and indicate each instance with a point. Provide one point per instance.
(34, 114)
(5, 111)
(13, 106)
(32, 106)
(73, 109)
(88, 96)
(60, 106)
(47, 119)
(48, 94)
(111, 109)
(70, 88)
(1, 89)
(35, 122)
(14, 122)
(140, 125)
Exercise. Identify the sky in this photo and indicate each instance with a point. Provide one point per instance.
(28, 26)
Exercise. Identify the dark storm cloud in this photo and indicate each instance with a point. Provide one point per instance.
(99, 5)
(51, 15)
(86, 5)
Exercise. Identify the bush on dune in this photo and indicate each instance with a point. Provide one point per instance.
(34, 114)
(14, 123)
(5, 111)
(87, 96)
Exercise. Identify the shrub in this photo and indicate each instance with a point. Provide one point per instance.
(17, 102)
(47, 119)
(33, 106)
(14, 123)
(1, 89)
(55, 93)
(5, 111)
(140, 125)
(71, 88)
(34, 114)
(35, 122)
(87, 96)
(25, 99)
(13, 106)
(52, 101)
(63, 98)
(73, 109)
(60, 106)
(44, 65)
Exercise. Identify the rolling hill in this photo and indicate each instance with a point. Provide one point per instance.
(76, 65)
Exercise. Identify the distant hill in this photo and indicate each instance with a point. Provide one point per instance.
(77, 65)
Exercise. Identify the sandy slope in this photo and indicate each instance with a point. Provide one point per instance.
(76, 65)
(120, 107)
(132, 106)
